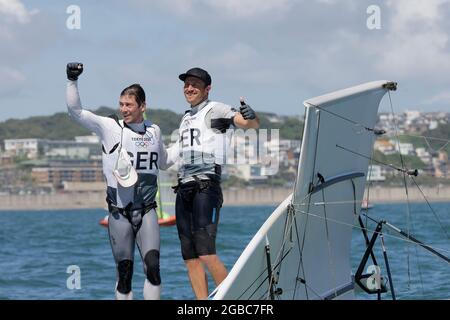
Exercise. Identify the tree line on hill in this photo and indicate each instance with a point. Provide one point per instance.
(60, 126)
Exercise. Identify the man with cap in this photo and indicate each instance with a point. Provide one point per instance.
(133, 152)
(201, 144)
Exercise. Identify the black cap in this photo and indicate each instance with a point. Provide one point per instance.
(197, 73)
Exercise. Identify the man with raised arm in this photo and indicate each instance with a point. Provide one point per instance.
(133, 152)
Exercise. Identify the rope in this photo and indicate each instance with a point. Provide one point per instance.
(371, 230)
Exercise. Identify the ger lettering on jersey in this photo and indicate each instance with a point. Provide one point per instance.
(204, 140)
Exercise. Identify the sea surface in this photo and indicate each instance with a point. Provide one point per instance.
(42, 251)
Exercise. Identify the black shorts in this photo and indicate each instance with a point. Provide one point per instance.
(197, 216)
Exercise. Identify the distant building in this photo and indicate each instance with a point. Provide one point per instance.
(423, 155)
(273, 118)
(412, 115)
(6, 159)
(443, 156)
(405, 149)
(24, 147)
(433, 125)
(253, 173)
(384, 146)
(375, 173)
(88, 139)
(82, 148)
(68, 152)
(58, 172)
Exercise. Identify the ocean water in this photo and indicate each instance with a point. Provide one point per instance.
(38, 249)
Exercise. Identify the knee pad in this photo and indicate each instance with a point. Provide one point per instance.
(205, 240)
(151, 261)
(125, 269)
(187, 248)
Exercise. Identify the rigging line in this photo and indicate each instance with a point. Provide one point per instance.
(388, 269)
(427, 246)
(287, 230)
(375, 131)
(308, 196)
(321, 203)
(361, 223)
(298, 240)
(263, 280)
(298, 168)
(256, 279)
(429, 146)
(410, 173)
(329, 244)
(262, 273)
(291, 219)
(251, 284)
(304, 234)
(310, 288)
(281, 260)
(370, 183)
(419, 269)
(300, 264)
(288, 227)
(405, 171)
(290, 290)
(408, 214)
(426, 138)
(417, 242)
(291, 208)
(334, 202)
(270, 279)
(366, 239)
(429, 205)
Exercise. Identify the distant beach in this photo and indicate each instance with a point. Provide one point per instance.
(232, 197)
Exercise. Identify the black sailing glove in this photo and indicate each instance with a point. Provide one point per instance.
(247, 112)
(74, 69)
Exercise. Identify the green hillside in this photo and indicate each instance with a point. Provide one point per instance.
(61, 127)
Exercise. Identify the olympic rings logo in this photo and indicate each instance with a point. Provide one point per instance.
(141, 144)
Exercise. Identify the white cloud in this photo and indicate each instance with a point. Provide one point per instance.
(228, 8)
(11, 79)
(14, 9)
(412, 12)
(23, 35)
(246, 8)
(239, 55)
(13, 16)
(440, 98)
(417, 41)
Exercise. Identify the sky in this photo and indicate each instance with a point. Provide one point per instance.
(275, 53)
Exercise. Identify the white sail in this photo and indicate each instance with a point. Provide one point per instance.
(308, 237)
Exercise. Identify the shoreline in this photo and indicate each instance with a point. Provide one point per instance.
(232, 197)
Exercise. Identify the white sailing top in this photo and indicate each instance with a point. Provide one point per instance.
(143, 142)
(203, 140)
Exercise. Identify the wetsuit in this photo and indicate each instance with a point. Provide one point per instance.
(132, 215)
(202, 145)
